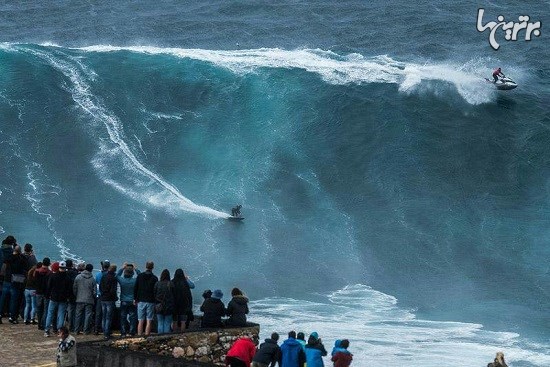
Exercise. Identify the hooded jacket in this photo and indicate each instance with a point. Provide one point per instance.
(268, 353)
(292, 354)
(108, 287)
(41, 280)
(144, 291)
(60, 287)
(84, 287)
(243, 349)
(342, 358)
(314, 353)
(237, 309)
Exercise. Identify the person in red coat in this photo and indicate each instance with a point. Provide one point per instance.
(241, 353)
(341, 356)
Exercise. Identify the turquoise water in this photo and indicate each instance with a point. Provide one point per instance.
(381, 178)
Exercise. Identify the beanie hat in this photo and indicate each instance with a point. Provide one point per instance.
(217, 294)
(55, 267)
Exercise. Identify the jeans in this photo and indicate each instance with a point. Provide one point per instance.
(30, 305)
(146, 310)
(163, 323)
(14, 291)
(86, 309)
(107, 308)
(98, 319)
(71, 309)
(42, 304)
(61, 308)
(128, 315)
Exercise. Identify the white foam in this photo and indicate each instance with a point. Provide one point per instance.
(333, 68)
(154, 190)
(383, 334)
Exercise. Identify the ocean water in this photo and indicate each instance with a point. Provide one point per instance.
(391, 195)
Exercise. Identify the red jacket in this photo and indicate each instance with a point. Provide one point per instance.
(497, 72)
(341, 359)
(243, 349)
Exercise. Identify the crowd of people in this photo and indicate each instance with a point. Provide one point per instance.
(52, 294)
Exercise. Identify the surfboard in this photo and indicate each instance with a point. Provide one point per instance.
(235, 219)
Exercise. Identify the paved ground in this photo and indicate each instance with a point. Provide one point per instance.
(25, 345)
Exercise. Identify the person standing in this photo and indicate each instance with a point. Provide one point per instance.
(41, 276)
(15, 275)
(268, 354)
(108, 288)
(66, 350)
(292, 353)
(183, 299)
(128, 310)
(241, 353)
(315, 351)
(144, 296)
(84, 289)
(340, 354)
(164, 297)
(60, 288)
(71, 305)
(29, 314)
(98, 319)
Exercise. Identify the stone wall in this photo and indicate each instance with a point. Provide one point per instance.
(206, 347)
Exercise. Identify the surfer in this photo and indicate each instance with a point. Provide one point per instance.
(236, 211)
(496, 74)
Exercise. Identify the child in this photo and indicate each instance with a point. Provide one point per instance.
(342, 357)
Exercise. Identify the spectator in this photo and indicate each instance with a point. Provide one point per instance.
(340, 354)
(301, 338)
(29, 314)
(29, 255)
(14, 282)
(268, 354)
(41, 276)
(183, 308)
(144, 295)
(66, 350)
(241, 353)
(98, 315)
(128, 310)
(84, 289)
(71, 305)
(214, 310)
(164, 307)
(237, 309)
(315, 351)
(498, 361)
(59, 290)
(108, 288)
(292, 354)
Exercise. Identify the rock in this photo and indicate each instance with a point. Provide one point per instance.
(204, 359)
(201, 351)
(213, 338)
(189, 352)
(178, 352)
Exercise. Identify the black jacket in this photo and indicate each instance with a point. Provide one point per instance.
(269, 352)
(108, 287)
(60, 287)
(182, 297)
(214, 310)
(164, 294)
(144, 290)
(237, 310)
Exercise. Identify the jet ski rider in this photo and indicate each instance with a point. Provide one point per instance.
(496, 74)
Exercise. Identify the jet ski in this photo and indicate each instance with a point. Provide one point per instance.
(503, 83)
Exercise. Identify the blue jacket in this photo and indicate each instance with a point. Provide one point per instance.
(127, 285)
(314, 355)
(292, 354)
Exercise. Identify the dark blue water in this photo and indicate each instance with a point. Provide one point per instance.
(360, 137)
